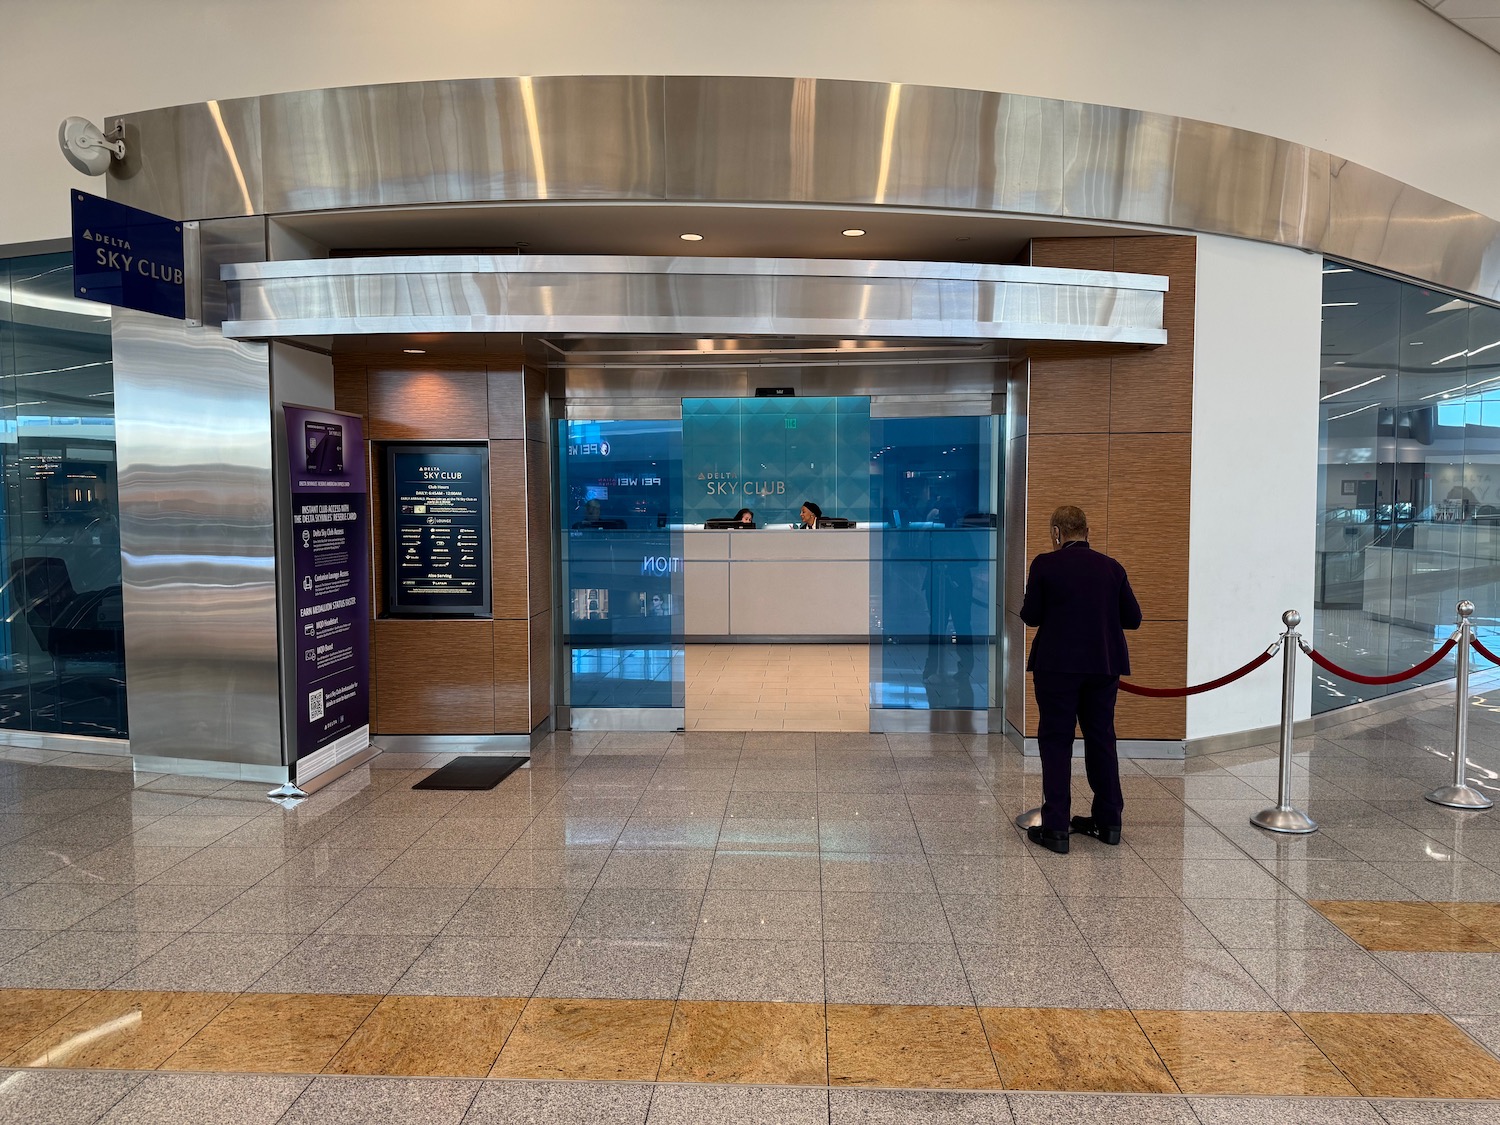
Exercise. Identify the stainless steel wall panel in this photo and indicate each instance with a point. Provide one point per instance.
(652, 392)
(788, 140)
(690, 296)
(806, 140)
(222, 242)
(479, 139)
(193, 438)
(199, 161)
(1374, 219)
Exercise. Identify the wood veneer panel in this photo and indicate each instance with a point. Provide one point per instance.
(436, 677)
(1152, 389)
(538, 413)
(1069, 396)
(1150, 477)
(539, 525)
(512, 677)
(349, 390)
(541, 668)
(1074, 253)
(507, 402)
(1158, 658)
(509, 558)
(1066, 469)
(451, 403)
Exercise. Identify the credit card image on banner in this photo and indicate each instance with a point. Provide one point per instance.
(325, 447)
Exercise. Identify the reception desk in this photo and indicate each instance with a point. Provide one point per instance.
(776, 582)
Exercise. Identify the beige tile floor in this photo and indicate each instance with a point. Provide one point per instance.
(778, 687)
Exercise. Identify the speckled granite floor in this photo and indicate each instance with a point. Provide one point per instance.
(761, 901)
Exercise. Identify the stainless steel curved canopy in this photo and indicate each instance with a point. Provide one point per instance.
(788, 141)
(690, 296)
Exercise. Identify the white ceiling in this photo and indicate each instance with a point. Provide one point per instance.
(1480, 18)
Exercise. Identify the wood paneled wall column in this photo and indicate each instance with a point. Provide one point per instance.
(464, 676)
(1112, 434)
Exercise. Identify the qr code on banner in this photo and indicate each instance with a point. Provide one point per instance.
(315, 706)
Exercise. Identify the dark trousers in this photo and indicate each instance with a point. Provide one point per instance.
(1062, 700)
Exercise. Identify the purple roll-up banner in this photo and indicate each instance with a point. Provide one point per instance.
(330, 574)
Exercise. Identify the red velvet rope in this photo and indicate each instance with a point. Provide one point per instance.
(1323, 662)
(1173, 693)
(1484, 652)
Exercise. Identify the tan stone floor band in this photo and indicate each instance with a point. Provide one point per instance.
(1310, 1054)
(1417, 927)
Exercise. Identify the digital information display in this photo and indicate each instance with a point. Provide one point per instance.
(437, 530)
(330, 573)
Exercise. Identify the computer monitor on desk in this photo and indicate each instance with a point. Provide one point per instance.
(727, 524)
(834, 522)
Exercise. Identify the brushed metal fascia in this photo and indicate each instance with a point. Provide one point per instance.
(198, 565)
(200, 161)
(544, 264)
(691, 297)
(657, 392)
(571, 137)
(757, 140)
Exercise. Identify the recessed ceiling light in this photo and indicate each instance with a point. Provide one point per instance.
(691, 237)
(415, 351)
(852, 232)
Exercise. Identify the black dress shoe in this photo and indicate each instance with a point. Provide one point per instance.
(1087, 826)
(1045, 837)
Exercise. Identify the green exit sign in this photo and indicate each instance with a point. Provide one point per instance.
(791, 423)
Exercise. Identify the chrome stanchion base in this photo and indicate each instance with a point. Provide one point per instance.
(1031, 818)
(1459, 797)
(1291, 821)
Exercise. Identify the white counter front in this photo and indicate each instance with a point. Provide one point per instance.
(774, 582)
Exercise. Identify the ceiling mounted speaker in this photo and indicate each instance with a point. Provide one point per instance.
(86, 146)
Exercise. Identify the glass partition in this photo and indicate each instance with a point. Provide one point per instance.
(620, 515)
(773, 454)
(936, 544)
(921, 499)
(62, 662)
(1409, 483)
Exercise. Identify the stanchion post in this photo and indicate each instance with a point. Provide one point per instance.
(1461, 795)
(1031, 818)
(1284, 818)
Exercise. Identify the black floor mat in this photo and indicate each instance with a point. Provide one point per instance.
(472, 771)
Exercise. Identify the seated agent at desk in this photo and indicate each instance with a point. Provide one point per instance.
(810, 515)
(744, 515)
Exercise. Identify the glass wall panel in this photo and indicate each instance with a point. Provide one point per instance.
(1409, 486)
(62, 664)
(620, 501)
(936, 488)
(773, 454)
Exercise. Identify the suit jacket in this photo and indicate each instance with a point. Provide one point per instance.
(1081, 603)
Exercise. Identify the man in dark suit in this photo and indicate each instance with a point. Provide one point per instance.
(1081, 603)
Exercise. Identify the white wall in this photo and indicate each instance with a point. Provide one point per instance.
(1382, 82)
(1255, 474)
